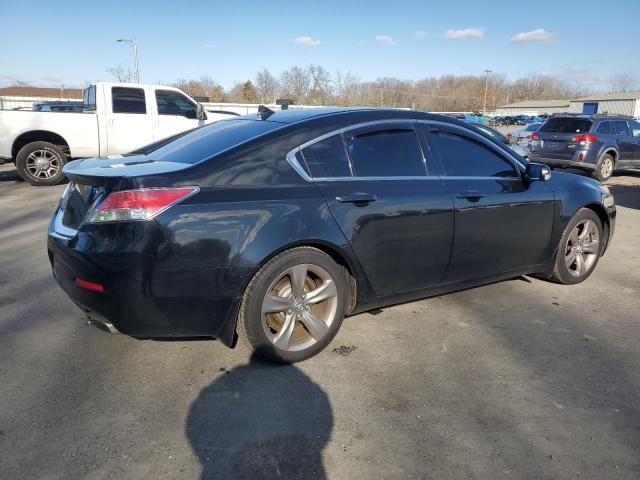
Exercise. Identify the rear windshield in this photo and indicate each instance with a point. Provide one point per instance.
(566, 125)
(208, 141)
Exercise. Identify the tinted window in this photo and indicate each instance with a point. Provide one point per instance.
(566, 125)
(465, 157)
(604, 128)
(385, 153)
(128, 100)
(327, 158)
(174, 103)
(621, 128)
(635, 126)
(208, 141)
(492, 133)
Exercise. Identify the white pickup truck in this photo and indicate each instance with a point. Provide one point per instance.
(116, 118)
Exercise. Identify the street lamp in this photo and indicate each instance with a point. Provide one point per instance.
(486, 86)
(134, 44)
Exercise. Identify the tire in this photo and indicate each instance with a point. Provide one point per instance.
(40, 163)
(279, 328)
(569, 272)
(604, 169)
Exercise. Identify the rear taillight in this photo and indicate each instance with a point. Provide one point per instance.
(533, 136)
(141, 204)
(584, 138)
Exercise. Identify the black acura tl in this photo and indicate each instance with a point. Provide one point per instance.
(273, 227)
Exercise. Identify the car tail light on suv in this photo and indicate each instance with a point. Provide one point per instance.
(584, 138)
(533, 136)
(143, 204)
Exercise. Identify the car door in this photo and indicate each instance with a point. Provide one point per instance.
(176, 113)
(396, 215)
(625, 143)
(635, 131)
(503, 223)
(128, 120)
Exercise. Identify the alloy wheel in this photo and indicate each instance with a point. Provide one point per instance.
(582, 248)
(299, 307)
(42, 164)
(606, 169)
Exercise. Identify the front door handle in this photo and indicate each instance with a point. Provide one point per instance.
(471, 195)
(357, 198)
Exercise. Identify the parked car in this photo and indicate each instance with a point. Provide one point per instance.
(525, 132)
(600, 144)
(115, 119)
(273, 228)
(62, 106)
(511, 141)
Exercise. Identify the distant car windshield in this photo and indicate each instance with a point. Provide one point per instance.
(208, 141)
(566, 125)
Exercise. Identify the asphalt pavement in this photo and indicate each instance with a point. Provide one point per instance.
(518, 379)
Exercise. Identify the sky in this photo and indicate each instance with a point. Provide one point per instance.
(46, 43)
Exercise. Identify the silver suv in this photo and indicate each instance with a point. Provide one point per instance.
(599, 143)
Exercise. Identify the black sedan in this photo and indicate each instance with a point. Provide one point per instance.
(273, 227)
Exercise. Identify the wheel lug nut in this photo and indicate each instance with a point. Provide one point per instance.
(289, 311)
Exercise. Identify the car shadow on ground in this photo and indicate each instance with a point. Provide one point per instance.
(260, 421)
(626, 195)
(9, 175)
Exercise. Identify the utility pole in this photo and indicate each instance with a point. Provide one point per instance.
(486, 86)
(133, 43)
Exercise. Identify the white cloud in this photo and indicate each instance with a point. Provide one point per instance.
(384, 39)
(208, 45)
(420, 34)
(540, 35)
(306, 41)
(464, 33)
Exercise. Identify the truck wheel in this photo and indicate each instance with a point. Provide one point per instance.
(604, 169)
(40, 163)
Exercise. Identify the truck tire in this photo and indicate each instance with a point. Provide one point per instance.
(605, 168)
(40, 163)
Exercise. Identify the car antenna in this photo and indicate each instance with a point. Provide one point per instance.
(264, 112)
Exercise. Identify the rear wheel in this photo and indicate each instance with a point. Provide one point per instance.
(40, 163)
(579, 248)
(293, 306)
(604, 169)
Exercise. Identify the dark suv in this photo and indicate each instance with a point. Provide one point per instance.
(599, 143)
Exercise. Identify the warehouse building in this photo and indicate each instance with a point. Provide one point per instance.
(623, 103)
(533, 108)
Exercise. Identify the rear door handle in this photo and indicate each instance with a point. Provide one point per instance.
(471, 195)
(357, 198)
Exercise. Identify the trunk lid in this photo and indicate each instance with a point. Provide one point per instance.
(554, 136)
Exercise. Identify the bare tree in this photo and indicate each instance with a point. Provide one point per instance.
(623, 82)
(266, 86)
(295, 84)
(320, 85)
(344, 87)
(121, 74)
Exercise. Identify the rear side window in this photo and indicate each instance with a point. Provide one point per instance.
(385, 153)
(205, 142)
(622, 129)
(327, 158)
(174, 103)
(89, 98)
(604, 128)
(635, 127)
(128, 100)
(566, 125)
(465, 157)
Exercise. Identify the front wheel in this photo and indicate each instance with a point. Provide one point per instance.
(293, 306)
(579, 248)
(604, 169)
(40, 163)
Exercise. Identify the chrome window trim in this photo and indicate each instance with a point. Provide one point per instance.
(303, 173)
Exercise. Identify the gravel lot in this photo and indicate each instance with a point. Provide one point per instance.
(519, 379)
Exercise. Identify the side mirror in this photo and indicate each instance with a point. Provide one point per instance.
(200, 113)
(537, 171)
(511, 139)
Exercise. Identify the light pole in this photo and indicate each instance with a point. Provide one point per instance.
(134, 44)
(486, 86)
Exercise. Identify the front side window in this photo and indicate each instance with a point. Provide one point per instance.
(465, 157)
(385, 153)
(175, 103)
(327, 158)
(622, 129)
(128, 100)
(635, 127)
(604, 128)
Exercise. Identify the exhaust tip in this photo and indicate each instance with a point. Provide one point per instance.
(103, 325)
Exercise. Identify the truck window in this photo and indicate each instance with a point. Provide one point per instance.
(89, 98)
(128, 100)
(174, 103)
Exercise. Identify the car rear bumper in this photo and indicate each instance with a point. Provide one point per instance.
(146, 297)
(560, 162)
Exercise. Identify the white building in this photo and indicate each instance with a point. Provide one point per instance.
(624, 103)
(533, 108)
